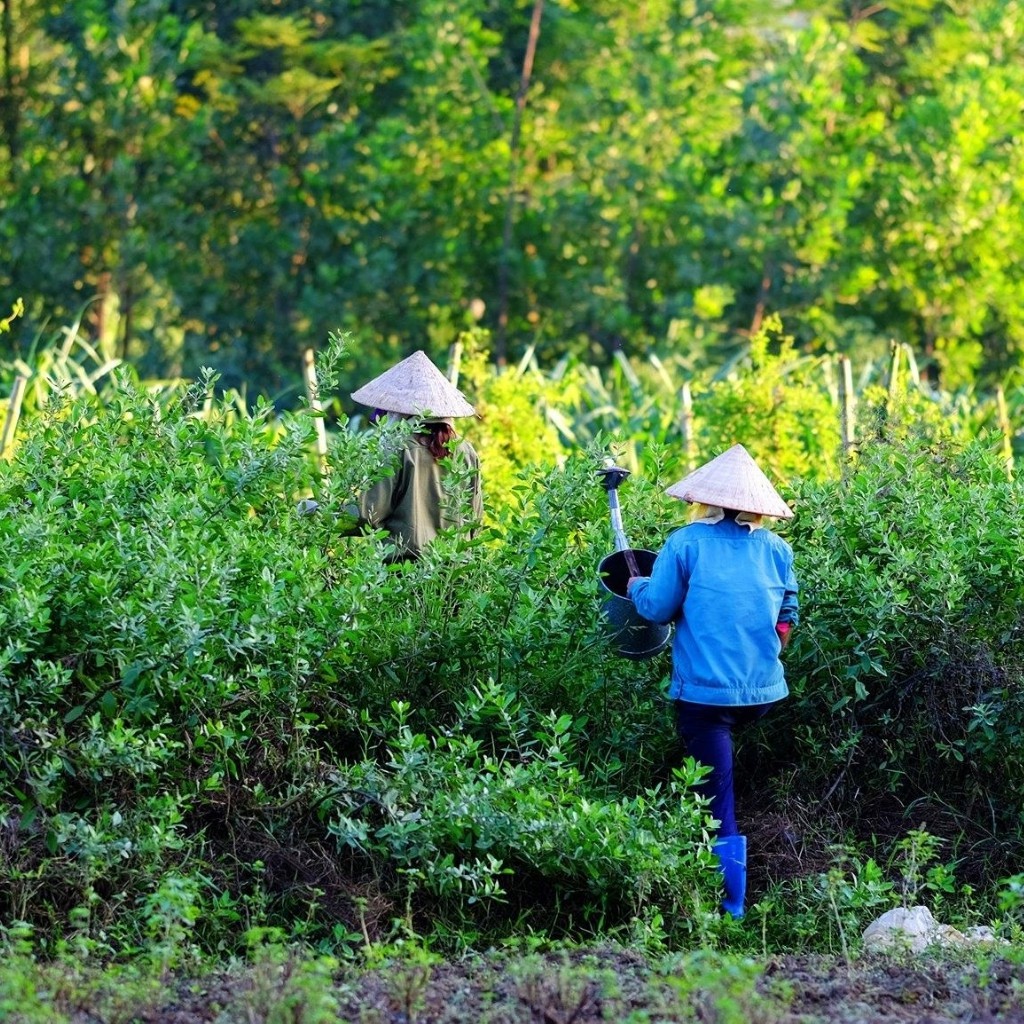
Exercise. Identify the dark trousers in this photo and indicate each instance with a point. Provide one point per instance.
(706, 733)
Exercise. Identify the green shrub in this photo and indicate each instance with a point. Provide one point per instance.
(186, 658)
(198, 685)
(825, 911)
(905, 670)
(470, 827)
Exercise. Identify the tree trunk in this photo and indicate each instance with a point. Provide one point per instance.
(501, 338)
(127, 321)
(761, 305)
(11, 113)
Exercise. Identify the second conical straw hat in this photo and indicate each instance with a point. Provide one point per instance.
(416, 387)
(732, 480)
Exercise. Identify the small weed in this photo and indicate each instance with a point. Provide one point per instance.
(286, 987)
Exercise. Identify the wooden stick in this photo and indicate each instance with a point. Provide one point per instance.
(686, 425)
(13, 413)
(455, 363)
(828, 372)
(847, 408)
(313, 393)
(894, 371)
(1006, 430)
(915, 373)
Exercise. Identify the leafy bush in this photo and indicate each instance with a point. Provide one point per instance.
(826, 911)
(199, 685)
(466, 827)
(905, 672)
(780, 405)
(186, 658)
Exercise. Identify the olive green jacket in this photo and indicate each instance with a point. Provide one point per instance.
(423, 497)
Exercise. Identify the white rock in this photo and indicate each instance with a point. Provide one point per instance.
(914, 929)
(947, 935)
(910, 928)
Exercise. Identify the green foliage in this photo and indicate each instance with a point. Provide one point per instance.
(783, 406)
(514, 408)
(1011, 903)
(225, 185)
(721, 987)
(906, 669)
(62, 991)
(924, 878)
(188, 663)
(223, 718)
(288, 985)
(779, 405)
(826, 911)
(65, 363)
(17, 309)
(469, 827)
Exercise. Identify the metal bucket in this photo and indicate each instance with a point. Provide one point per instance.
(632, 635)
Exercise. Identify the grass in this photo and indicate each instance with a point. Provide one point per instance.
(602, 982)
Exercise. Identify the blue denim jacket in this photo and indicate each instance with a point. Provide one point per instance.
(725, 587)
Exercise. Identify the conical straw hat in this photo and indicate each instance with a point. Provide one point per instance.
(416, 387)
(732, 480)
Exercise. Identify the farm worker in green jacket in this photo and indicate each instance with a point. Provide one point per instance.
(436, 484)
(728, 585)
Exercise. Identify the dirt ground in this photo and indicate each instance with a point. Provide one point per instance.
(607, 984)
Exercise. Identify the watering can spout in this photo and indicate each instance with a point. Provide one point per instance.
(613, 475)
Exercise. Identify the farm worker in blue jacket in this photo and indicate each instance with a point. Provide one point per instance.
(728, 585)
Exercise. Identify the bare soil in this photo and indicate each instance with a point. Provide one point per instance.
(610, 984)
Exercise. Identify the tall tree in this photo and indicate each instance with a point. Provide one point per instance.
(513, 184)
(11, 115)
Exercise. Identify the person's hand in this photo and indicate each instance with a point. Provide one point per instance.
(783, 631)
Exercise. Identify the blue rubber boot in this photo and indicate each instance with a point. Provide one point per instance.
(732, 860)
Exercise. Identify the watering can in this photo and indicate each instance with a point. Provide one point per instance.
(632, 636)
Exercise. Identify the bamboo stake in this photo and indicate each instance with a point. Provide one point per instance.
(13, 413)
(686, 425)
(1006, 430)
(455, 363)
(894, 372)
(912, 368)
(847, 408)
(313, 393)
(828, 372)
